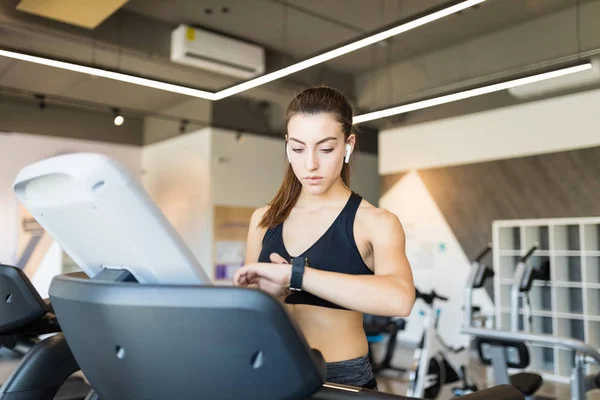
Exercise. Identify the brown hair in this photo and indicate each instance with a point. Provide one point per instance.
(315, 100)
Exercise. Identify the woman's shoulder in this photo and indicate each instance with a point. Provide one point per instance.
(260, 212)
(257, 216)
(377, 219)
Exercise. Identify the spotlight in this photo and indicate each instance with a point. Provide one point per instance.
(41, 99)
(239, 136)
(118, 117)
(183, 125)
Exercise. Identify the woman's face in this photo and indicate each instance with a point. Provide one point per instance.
(316, 149)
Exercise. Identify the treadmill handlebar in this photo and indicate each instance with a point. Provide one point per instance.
(536, 338)
(530, 252)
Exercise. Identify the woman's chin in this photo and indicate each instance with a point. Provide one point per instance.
(315, 190)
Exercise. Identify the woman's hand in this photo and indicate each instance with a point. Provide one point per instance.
(273, 278)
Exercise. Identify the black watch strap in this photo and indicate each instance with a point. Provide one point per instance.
(298, 266)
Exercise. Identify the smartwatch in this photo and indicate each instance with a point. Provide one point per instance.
(298, 266)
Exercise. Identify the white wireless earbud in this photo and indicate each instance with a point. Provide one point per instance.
(287, 151)
(348, 152)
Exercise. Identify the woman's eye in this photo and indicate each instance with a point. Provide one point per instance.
(326, 150)
(298, 150)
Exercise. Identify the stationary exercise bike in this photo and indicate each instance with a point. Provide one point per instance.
(377, 328)
(504, 353)
(435, 363)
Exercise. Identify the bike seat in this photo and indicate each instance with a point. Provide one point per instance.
(379, 325)
(401, 324)
(474, 309)
(528, 383)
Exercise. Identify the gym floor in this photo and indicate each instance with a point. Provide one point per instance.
(392, 383)
(7, 363)
(387, 382)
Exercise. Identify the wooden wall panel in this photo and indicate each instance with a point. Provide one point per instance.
(232, 223)
(565, 184)
(387, 181)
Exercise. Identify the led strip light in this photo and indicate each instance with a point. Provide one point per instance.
(261, 80)
(469, 93)
(329, 55)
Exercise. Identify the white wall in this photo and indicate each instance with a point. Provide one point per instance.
(557, 124)
(50, 266)
(364, 178)
(19, 150)
(246, 173)
(177, 175)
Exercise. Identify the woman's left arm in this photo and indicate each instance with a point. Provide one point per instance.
(390, 292)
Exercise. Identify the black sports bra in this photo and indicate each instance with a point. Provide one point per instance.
(335, 251)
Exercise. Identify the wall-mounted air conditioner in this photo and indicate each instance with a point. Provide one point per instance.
(566, 82)
(207, 50)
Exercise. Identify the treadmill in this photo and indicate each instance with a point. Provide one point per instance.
(146, 322)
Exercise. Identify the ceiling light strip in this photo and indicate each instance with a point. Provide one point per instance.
(110, 75)
(468, 93)
(254, 82)
(261, 80)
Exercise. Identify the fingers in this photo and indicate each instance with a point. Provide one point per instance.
(267, 286)
(239, 277)
(247, 278)
(277, 272)
(244, 276)
(271, 288)
(277, 259)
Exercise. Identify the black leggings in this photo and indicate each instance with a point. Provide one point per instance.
(354, 372)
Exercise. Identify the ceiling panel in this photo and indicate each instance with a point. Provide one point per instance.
(5, 65)
(491, 16)
(38, 78)
(122, 94)
(259, 21)
(256, 21)
(71, 11)
(311, 26)
(365, 15)
(57, 82)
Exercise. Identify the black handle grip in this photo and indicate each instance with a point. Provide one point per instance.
(483, 253)
(530, 252)
(437, 296)
(429, 297)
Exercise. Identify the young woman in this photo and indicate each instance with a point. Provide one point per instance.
(318, 246)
